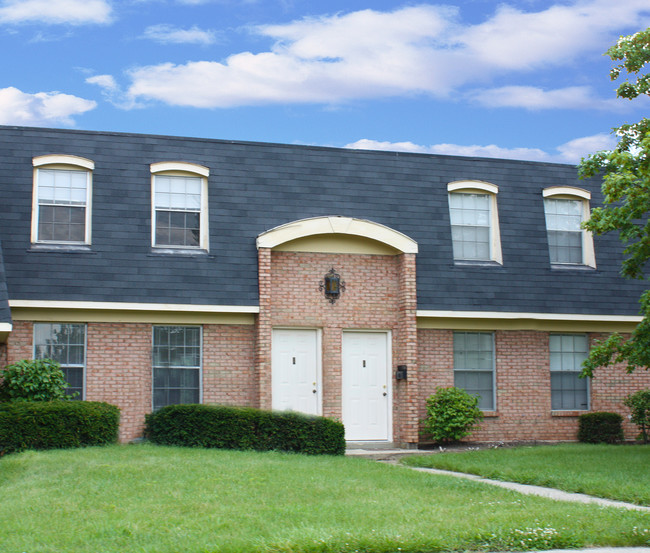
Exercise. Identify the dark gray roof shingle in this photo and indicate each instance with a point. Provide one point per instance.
(254, 187)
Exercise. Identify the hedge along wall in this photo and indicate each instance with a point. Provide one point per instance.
(245, 428)
(57, 425)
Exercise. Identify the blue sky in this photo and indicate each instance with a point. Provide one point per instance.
(516, 79)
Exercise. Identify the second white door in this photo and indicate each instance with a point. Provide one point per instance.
(366, 394)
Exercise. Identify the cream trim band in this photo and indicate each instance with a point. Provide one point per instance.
(119, 306)
(336, 225)
(498, 315)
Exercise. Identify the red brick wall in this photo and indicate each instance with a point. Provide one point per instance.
(523, 404)
(379, 295)
(118, 366)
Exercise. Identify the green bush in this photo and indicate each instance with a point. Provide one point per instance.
(244, 428)
(639, 405)
(600, 427)
(56, 424)
(452, 414)
(37, 380)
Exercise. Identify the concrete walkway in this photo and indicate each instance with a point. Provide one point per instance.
(393, 455)
(529, 489)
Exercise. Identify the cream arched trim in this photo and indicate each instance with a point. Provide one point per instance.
(472, 185)
(566, 191)
(180, 166)
(336, 225)
(62, 159)
(583, 196)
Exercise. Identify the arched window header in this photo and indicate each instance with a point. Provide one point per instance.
(62, 159)
(163, 166)
(462, 185)
(566, 191)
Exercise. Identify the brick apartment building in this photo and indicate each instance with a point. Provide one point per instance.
(345, 283)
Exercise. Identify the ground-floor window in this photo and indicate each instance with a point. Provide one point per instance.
(474, 366)
(568, 390)
(65, 343)
(176, 365)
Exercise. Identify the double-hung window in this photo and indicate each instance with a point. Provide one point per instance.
(474, 366)
(176, 365)
(568, 390)
(474, 221)
(62, 192)
(66, 344)
(565, 209)
(179, 205)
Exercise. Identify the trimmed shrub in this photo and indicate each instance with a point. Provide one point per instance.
(56, 425)
(37, 380)
(226, 427)
(600, 427)
(452, 414)
(639, 405)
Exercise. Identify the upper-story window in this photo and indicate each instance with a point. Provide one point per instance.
(474, 221)
(566, 208)
(62, 194)
(180, 205)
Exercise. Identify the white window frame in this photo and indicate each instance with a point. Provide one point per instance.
(482, 188)
(81, 396)
(61, 162)
(574, 372)
(154, 366)
(583, 196)
(465, 369)
(182, 169)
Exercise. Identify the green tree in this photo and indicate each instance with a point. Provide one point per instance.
(626, 188)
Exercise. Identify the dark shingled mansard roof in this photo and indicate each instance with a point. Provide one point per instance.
(254, 187)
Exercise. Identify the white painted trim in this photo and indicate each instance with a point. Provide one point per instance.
(89, 200)
(496, 315)
(62, 159)
(460, 185)
(472, 187)
(119, 306)
(566, 191)
(336, 225)
(184, 166)
(202, 172)
(6, 327)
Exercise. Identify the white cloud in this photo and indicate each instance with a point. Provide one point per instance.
(168, 34)
(72, 12)
(570, 152)
(421, 49)
(40, 109)
(576, 149)
(533, 98)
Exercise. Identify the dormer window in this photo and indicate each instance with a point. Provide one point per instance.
(474, 221)
(62, 192)
(179, 205)
(566, 208)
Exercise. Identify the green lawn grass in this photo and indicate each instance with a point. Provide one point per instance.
(619, 472)
(145, 498)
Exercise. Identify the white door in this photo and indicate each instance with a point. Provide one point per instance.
(366, 394)
(295, 371)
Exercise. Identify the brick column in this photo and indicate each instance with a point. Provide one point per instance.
(262, 374)
(406, 395)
